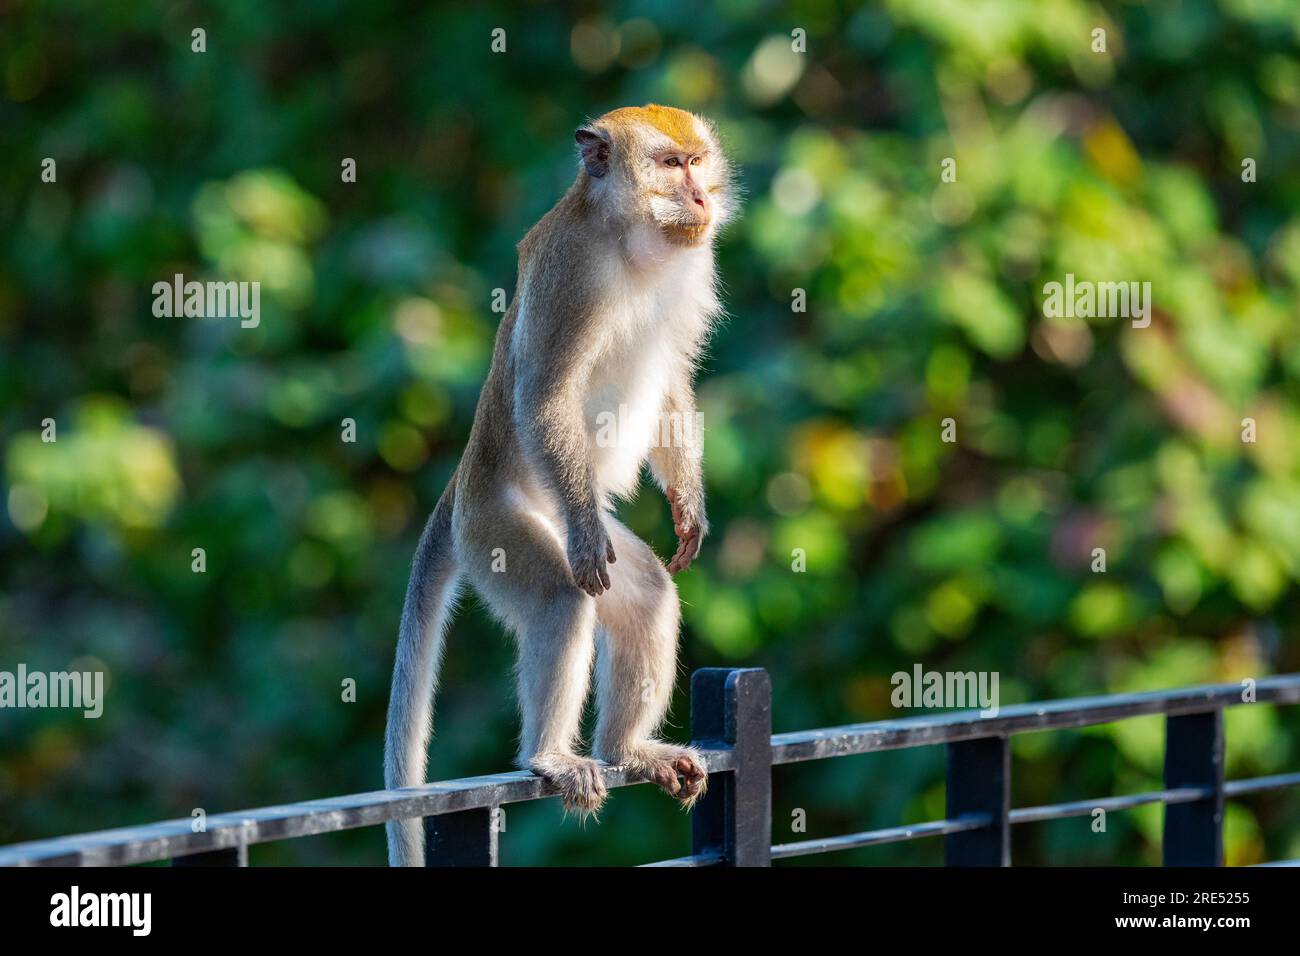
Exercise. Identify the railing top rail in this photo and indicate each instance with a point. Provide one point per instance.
(160, 841)
(172, 838)
(954, 726)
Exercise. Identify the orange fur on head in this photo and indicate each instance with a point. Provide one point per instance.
(677, 125)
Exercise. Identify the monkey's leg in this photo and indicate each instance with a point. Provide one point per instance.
(528, 584)
(636, 664)
(555, 653)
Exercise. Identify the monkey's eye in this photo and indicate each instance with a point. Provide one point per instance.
(672, 161)
(696, 160)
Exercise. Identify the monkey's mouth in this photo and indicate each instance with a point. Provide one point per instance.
(686, 234)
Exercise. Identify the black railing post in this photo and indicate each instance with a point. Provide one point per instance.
(979, 782)
(227, 856)
(734, 708)
(462, 838)
(1193, 832)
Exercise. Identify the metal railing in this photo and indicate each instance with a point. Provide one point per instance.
(732, 824)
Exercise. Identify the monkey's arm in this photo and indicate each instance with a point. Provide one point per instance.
(676, 463)
(550, 380)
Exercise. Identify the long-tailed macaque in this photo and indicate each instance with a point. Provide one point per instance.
(591, 378)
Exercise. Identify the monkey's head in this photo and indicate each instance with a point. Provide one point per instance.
(661, 165)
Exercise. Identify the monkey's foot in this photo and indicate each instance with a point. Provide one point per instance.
(579, 780)
(678, 771)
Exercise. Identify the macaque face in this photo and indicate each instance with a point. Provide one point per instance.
(681, 199)
(664, 166)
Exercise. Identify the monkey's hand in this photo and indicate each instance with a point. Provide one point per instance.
(691, 527)
(589, 551)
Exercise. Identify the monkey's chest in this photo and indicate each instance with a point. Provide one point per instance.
(624, 411)
(656, 317)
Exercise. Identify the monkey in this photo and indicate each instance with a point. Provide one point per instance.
(615, 297)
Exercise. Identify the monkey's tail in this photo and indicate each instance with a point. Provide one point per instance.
(430, 600)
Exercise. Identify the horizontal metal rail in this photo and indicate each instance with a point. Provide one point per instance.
(731, 726)
(162, 841)
(1241, 788)
(711, 858)
(1081, 808)
(901, 834)
(1066, 714)
(1019, 815)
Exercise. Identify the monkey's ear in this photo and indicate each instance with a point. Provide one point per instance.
(595, 151)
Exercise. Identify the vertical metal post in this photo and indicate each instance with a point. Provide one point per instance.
(979, 781)
(462, 838)
(1193, 832)
(227, 856)
(734, 707)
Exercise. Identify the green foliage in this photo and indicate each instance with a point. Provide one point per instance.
(824, 427)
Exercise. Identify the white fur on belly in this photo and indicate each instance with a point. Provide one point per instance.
(656, 304)
(656, 313)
